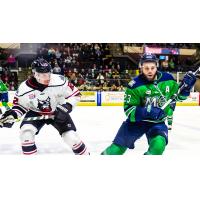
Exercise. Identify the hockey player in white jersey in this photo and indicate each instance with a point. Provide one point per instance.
(49, 95)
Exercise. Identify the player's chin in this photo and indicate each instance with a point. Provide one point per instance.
(150, 77)
(46, 83)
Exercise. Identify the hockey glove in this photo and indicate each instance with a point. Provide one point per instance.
(149, 112)
(154, 113)
(62, 113)
(8, 118)
(187, 83)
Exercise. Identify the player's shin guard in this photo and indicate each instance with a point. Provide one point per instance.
(156, 146)
(27, 137)
(114, 149)
(78, 147)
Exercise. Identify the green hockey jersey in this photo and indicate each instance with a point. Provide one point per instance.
(3, 94)
(142, 93)
(3, 88)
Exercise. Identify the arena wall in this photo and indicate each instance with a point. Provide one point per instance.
(93, 98)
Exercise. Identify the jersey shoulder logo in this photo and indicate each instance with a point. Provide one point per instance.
(148, 92)
(31, 96)
(62, 77)
(131, 83)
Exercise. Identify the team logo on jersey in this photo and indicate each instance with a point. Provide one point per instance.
(155, 101)
(31, 96)
(44, 105)
(131, 83)
(151, 101)
(161, 101)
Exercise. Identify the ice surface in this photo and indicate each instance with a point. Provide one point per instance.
(97, 127)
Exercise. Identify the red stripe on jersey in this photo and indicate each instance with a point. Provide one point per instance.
(78, 94)
(21, 107)
(18, 111)
(46, 113)
(71, 86)
(74, 94)
(31, 84)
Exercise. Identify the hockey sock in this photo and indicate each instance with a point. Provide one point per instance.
(80, 149)
(156, 146)
(29, 148)
(114, 149)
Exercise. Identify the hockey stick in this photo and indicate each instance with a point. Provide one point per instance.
(39, 118)
(30, 119)
(180, 89)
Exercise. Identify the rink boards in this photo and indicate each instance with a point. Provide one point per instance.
(99, 98)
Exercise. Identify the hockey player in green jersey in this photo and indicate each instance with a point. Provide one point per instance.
(143, 101)
(3, 96)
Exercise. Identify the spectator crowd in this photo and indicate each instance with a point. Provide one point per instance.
(88, 66)
(91, 66)
(7, 64)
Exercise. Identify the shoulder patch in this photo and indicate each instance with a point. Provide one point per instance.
(62, 77)
(131, 83)
(57, 80)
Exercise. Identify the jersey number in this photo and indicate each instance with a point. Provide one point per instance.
(15, 101)
(127, 98)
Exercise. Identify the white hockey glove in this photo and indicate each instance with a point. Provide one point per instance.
(8, 118)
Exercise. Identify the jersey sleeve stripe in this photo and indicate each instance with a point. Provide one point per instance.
(126, 107)
(20, 107)
(130, 110)
(19, 113)
(74, 94)
(19, 110)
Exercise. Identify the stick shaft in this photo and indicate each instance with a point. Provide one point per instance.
(38, 118)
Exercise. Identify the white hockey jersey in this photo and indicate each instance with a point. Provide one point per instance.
(44, 99)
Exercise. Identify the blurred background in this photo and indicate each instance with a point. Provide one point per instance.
(95, 66)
